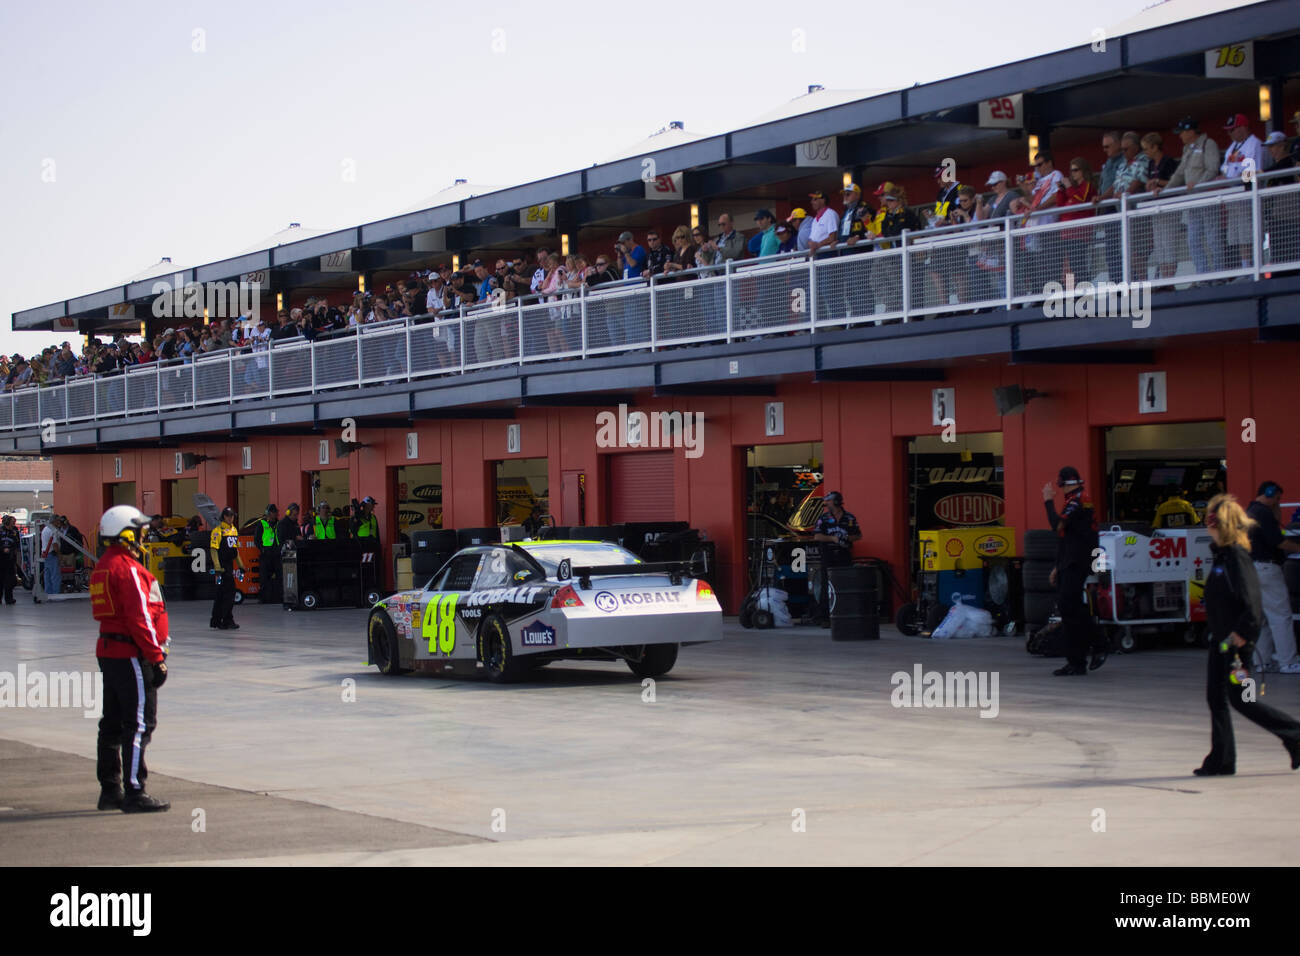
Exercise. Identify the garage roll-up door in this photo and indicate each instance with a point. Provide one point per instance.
(641, 487)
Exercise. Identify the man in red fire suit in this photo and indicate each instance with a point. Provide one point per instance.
(132, 650)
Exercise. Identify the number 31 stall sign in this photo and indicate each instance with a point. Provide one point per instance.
(1004, 112)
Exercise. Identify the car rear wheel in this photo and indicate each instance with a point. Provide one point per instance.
(383, 645)
(909, 620)
(656, 660)
(496, 654)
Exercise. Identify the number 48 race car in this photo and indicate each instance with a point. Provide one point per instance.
(512, 608)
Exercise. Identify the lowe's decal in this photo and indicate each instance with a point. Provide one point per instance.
(538, 634)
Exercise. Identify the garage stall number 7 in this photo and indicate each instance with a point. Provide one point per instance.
(440, 624)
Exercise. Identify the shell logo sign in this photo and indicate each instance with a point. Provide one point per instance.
(970, 508)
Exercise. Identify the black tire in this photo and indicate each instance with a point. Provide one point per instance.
(934, 616)
(1038, 607)
(763, 620)
(1040, 545)
(747, 614)
(29, 582)
(1037, 576)
(382, 638)
(497, 655)
(908, 620)
(308, 600)
(656, 660)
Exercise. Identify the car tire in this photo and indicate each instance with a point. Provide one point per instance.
(1038, 608)
(1040, 545)
(496, 654)
(908, 620)
(309, 600)
(384, 651)
(747, 615)
(656, 660)
(1037, 576)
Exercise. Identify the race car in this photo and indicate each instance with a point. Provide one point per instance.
(511, 608)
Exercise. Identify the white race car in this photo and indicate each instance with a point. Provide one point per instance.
(514, 607)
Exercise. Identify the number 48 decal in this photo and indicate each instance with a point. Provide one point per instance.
(440, 624)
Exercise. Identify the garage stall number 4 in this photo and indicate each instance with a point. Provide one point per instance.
(440, 624)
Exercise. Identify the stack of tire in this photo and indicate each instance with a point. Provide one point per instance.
(1040, 594)
(430, 550)
(855, 603)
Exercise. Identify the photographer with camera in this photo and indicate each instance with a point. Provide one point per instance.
(836, 530)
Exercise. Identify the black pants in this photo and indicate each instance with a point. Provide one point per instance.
(223, 605)
(1076, 617)
(127, 723)
(1219, 694)
(8, 577)
(268, 571)
(819, 579)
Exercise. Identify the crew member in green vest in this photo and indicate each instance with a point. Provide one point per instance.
(365, 528)
(268, 558)
(324, 527)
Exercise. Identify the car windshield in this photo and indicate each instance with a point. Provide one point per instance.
(581, 554)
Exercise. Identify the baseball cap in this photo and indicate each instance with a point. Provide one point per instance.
(782, 227)
(763, 214)
(997, 176)
(1235, 121)
(270, 508)
(1068, 476)
(1269, 488)
(1186, 123)
(1275, 137)
(834, 496)
(798, 213)
(625, 236)
(852, 188)
(817, 195)
(884, 188)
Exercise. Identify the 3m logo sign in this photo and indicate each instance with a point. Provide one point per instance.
(1162, 548)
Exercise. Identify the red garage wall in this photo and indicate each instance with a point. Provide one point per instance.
(863, 428)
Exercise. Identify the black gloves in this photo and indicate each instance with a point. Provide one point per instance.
(159, 674)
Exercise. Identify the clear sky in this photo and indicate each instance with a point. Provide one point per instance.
(137, 130)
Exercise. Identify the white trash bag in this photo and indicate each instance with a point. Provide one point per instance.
(963, 621)
(773, 600)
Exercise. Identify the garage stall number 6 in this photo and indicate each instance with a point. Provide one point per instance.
(440, 624)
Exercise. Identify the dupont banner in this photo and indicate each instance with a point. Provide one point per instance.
(951, 493)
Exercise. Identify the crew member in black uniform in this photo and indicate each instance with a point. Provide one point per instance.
(1076, 529)
(836, 530)
(223, 549)
(10, 543)
(1235, 615)
(289, 530)
(268, 555)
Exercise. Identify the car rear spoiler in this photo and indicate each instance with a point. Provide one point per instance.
(676, 570)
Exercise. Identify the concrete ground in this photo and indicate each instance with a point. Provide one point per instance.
(771, 747)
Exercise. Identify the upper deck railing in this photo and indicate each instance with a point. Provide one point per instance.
(1220, 231)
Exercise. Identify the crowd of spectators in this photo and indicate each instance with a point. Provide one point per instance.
(1130, 163)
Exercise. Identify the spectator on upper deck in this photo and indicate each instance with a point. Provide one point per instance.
(1199, 163)
(630, 258)
(657, 254)
(768, 244)
(1110, 145)
(1000, 204)
(1245, 158)
(825, 224)
(801, 226)
(730, 242)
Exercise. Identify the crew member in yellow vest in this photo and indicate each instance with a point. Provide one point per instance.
(1175, 512)
(324, 527)
(365, 528)
(223, 549)
(268, 565)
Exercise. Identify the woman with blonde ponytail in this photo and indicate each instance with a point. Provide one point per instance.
(1234, 615)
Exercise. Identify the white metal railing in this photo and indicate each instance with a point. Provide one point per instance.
(1219, 231)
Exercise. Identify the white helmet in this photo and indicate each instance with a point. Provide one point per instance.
(123, 522)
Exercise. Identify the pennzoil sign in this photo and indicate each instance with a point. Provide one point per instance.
(971, 508)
